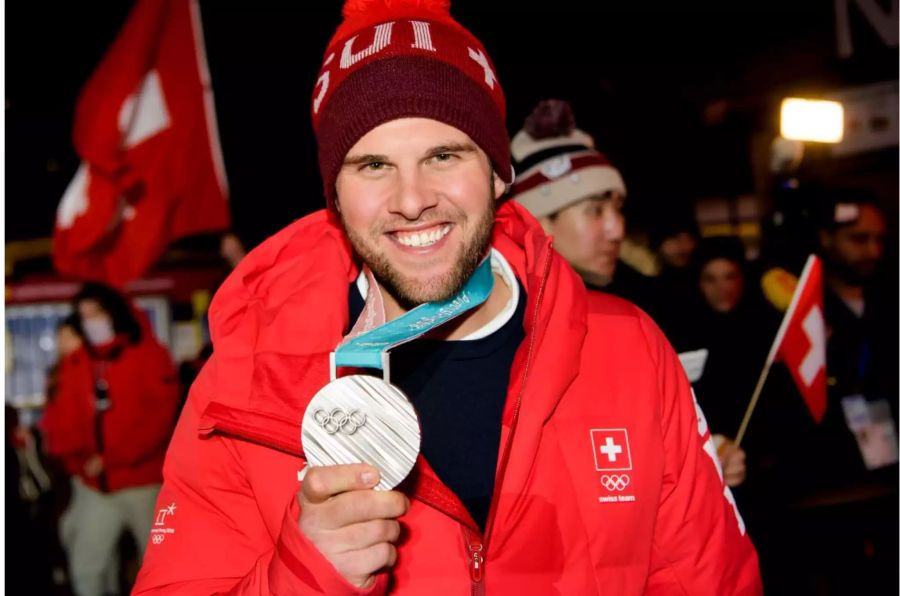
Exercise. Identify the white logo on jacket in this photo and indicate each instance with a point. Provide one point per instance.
(159, 531)
(612, 453)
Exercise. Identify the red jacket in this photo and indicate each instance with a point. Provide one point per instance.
(593, 385)
(144, 393)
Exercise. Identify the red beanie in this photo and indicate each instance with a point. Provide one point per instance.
(394, 59)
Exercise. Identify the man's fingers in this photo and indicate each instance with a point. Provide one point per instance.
(735, 459)
(362, 506)
(365, 534)
(323, 482)
(735, 478)
(357, 566)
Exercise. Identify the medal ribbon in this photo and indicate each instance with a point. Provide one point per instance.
(367, 344)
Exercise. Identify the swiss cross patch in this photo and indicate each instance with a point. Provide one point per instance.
(611, 449)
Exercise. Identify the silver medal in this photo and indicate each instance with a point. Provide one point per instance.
(362, 419)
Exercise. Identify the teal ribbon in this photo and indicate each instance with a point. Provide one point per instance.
(367, 350)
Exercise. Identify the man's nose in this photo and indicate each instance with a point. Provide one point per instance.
(413, 196)
(613, 225)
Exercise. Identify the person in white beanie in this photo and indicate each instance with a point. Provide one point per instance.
(577, 195)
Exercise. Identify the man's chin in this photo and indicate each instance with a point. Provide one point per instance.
(410, 293)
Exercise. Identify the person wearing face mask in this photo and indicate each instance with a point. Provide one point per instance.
(108, 424)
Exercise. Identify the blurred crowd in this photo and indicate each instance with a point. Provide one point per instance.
(819, 499)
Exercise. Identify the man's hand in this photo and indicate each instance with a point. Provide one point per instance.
(353, 526)
(93, 466)
(733, 460)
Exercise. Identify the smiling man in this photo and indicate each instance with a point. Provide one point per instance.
(420, 215)
(560, 451)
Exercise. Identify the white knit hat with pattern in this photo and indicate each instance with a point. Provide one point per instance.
(556, 164)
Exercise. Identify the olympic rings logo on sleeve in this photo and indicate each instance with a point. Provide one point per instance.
(338, 421)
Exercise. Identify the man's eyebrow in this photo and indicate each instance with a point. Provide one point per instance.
(452, 148)
(357, 160)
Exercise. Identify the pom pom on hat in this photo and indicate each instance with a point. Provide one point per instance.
(550, 124)
(362, 13)
(550, 118)
(355, 8)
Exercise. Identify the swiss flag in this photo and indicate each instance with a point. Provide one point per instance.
(145, 129)
(611, 449)
(800, 342)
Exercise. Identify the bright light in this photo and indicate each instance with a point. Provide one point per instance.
(812, 120)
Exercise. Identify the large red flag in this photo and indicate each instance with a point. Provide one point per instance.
(800, 342)
(145, 129)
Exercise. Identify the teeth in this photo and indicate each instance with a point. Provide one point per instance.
(420, 239)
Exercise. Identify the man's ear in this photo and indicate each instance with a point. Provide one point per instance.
(499, 185)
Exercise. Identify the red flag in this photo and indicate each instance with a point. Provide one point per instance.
(800, 342)
(145, 129)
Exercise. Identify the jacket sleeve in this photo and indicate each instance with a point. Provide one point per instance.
(209, 535)
(66, 427)
(155, 409)
(700, 545)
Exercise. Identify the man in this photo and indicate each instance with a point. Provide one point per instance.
(862, 354)
(521, 400)
(838, 478)
(578, 196)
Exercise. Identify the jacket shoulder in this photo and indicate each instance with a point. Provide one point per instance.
(611, 314)
(603, 304)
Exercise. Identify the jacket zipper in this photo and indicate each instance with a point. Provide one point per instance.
(476, 562)
(476, 547)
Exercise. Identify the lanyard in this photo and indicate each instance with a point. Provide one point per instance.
(368, 343)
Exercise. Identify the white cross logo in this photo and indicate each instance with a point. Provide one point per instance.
(814, 327)
(610, 450)
(479, 57)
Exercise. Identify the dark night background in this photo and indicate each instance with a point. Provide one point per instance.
(644, 80)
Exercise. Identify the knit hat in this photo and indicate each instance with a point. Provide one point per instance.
(557, 163)
(393, 59)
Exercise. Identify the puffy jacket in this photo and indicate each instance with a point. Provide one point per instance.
(144, 396)
(607, 483)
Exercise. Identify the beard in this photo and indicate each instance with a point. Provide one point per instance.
(858, 273)
(410, 291)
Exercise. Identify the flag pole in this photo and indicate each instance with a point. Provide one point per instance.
(773, 351)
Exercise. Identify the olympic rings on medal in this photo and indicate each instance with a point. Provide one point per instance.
(615, 481)
(339, 421)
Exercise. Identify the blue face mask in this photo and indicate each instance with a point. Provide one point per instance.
(98, 330)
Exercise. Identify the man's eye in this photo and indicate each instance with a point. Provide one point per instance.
(443, 157)
(373, 166)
